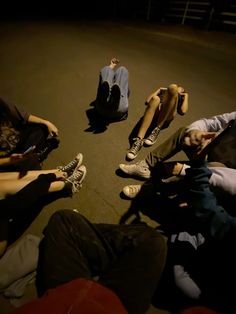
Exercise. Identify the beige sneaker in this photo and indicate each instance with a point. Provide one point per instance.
(139, 169)
(131, 191)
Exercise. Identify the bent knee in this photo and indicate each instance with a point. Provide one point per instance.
(123, 70)
(154, 102)
(62, 215)
(153, 242)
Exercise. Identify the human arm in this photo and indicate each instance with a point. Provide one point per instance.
(184, 106)
(183, 253)
(213, 124)
(185, 283)
(216, 221)
(12, 159)
(156, 93)
(52, 129)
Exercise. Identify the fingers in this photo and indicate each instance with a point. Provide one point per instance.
(115, 60)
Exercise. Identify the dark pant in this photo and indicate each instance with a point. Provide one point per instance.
(128, 259)
(31, 135)
(19, 210)
(166, 150)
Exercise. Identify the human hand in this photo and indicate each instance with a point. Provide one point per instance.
(177, 169)
(14, 158)
(52, 129)
(115, 61)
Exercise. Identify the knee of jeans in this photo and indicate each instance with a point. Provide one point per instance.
(123, 70)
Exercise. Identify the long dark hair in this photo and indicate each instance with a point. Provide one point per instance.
(4, 112)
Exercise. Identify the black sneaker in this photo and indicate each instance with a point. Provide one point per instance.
(133, 152)
(70, 167)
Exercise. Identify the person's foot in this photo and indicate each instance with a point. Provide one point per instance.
(139, 169)
(76, 179)
(152, 138)
(131, 191)
(135, 148)
(114, 62)
(70, 167)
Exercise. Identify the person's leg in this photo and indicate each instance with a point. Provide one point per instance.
(27, 195)
(149, 114)
(167, 112)
(166, 150)
(162, 120)
(107, 75)
(121, 81)
(151, 110)
(29, 176)
(18, 207)
(12, 186)
(138, 267)
(72, 248)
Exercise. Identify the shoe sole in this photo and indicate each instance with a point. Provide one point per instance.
(149, 144)
(80, 160)
(132, 157)
(84, 172)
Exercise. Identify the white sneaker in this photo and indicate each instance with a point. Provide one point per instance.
(131, 191)
(140, 169)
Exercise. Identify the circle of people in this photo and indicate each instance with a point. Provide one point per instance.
(105, 268)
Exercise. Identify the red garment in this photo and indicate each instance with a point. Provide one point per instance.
(80, 296)
(198, 310)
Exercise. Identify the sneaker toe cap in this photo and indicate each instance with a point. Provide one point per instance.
(130, 156)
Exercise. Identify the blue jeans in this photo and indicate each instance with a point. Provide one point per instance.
(113, 92)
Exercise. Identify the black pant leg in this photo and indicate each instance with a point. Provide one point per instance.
(33, 134)
(128, 259)
(72, 248)
(135, 273)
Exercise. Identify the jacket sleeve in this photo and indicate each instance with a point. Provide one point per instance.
(213, 217)
(213, 124)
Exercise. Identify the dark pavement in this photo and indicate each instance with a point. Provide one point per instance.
(51, 69)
